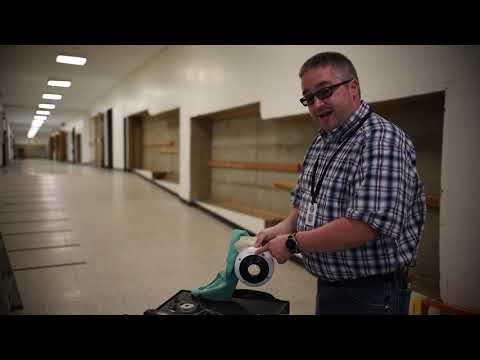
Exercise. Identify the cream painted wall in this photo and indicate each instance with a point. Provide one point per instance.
(459, 214)
(201, 79)
(2, 124)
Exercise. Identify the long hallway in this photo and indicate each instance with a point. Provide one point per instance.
(83, 240)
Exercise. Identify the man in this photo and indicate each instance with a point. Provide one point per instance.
(358, 206)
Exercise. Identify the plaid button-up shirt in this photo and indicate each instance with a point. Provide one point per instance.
(373, 179)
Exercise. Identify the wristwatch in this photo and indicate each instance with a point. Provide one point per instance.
(292, 244)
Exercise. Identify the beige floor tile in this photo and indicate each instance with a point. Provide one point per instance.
(45, 257)
(141, 245)
(36, 227)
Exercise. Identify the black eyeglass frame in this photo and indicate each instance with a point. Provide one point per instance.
(322, 94)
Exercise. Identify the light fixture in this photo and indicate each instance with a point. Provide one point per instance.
(40, 117)
(37, 123)
(72, 60)
(31, 133)
(59, 83)
(43, 112)
(52, 96)
(46, 106)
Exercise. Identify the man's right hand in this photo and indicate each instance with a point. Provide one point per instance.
(289, 224)
(265, 236)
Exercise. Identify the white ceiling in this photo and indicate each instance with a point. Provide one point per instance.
(25, 70)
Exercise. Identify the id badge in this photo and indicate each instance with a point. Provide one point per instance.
(311, 215)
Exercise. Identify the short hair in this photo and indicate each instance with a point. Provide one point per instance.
(334, 59)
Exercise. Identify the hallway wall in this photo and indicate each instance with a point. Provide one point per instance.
(202, 79)
(2, 122)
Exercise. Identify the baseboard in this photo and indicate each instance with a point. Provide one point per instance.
(222, 219)
(160, 186)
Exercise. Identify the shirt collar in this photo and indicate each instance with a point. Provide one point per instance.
(336, 134)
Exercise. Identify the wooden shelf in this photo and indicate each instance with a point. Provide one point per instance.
(285, 185)
(269, 216)
(158, 174)
(261, 146)
(162, 150)
(241, 184)
(159, 145)
(294, 168)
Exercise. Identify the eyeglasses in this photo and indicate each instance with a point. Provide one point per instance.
(322, 94)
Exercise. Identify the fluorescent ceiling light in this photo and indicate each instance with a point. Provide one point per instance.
(32, 133)
(72, 60)
(43, 112)
(60, 83)
(37, 123)
(52, 96)
(40, 117)
(46, 106)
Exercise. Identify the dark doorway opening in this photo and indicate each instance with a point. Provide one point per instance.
(73, 146)
(5, 147)
(110, 138)
(78, 148)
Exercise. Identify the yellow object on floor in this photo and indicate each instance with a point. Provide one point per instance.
(416, 303)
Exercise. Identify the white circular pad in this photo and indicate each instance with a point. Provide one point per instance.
(246, 259)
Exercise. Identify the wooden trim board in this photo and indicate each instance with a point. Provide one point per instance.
(254, 166)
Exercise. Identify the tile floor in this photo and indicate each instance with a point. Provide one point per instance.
(91, 241)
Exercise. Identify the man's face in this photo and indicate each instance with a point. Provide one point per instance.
(331, 112)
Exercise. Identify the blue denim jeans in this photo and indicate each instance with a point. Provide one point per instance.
(363, 296)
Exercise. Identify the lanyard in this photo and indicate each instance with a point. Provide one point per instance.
(315, 190)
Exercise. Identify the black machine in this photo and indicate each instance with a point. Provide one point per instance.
(244, 302)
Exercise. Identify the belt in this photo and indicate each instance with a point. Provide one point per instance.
(399, 275)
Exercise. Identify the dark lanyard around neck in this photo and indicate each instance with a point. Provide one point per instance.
(315, 190)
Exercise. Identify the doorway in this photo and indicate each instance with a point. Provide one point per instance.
(135, 140)
(78, 148)
(109, 139)
(73, 146)
(98, 143)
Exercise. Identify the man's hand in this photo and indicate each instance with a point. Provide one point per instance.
(277, 248)
(265, 236)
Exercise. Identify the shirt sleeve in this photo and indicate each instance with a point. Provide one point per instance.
(383, 184)
(295, 196)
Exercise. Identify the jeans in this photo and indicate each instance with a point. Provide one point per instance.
(376, 295)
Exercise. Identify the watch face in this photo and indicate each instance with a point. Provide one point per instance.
(291, 245)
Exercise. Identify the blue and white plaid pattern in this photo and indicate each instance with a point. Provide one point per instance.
(372, 179)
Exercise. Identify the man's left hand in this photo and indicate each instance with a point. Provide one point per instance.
(277, 248)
